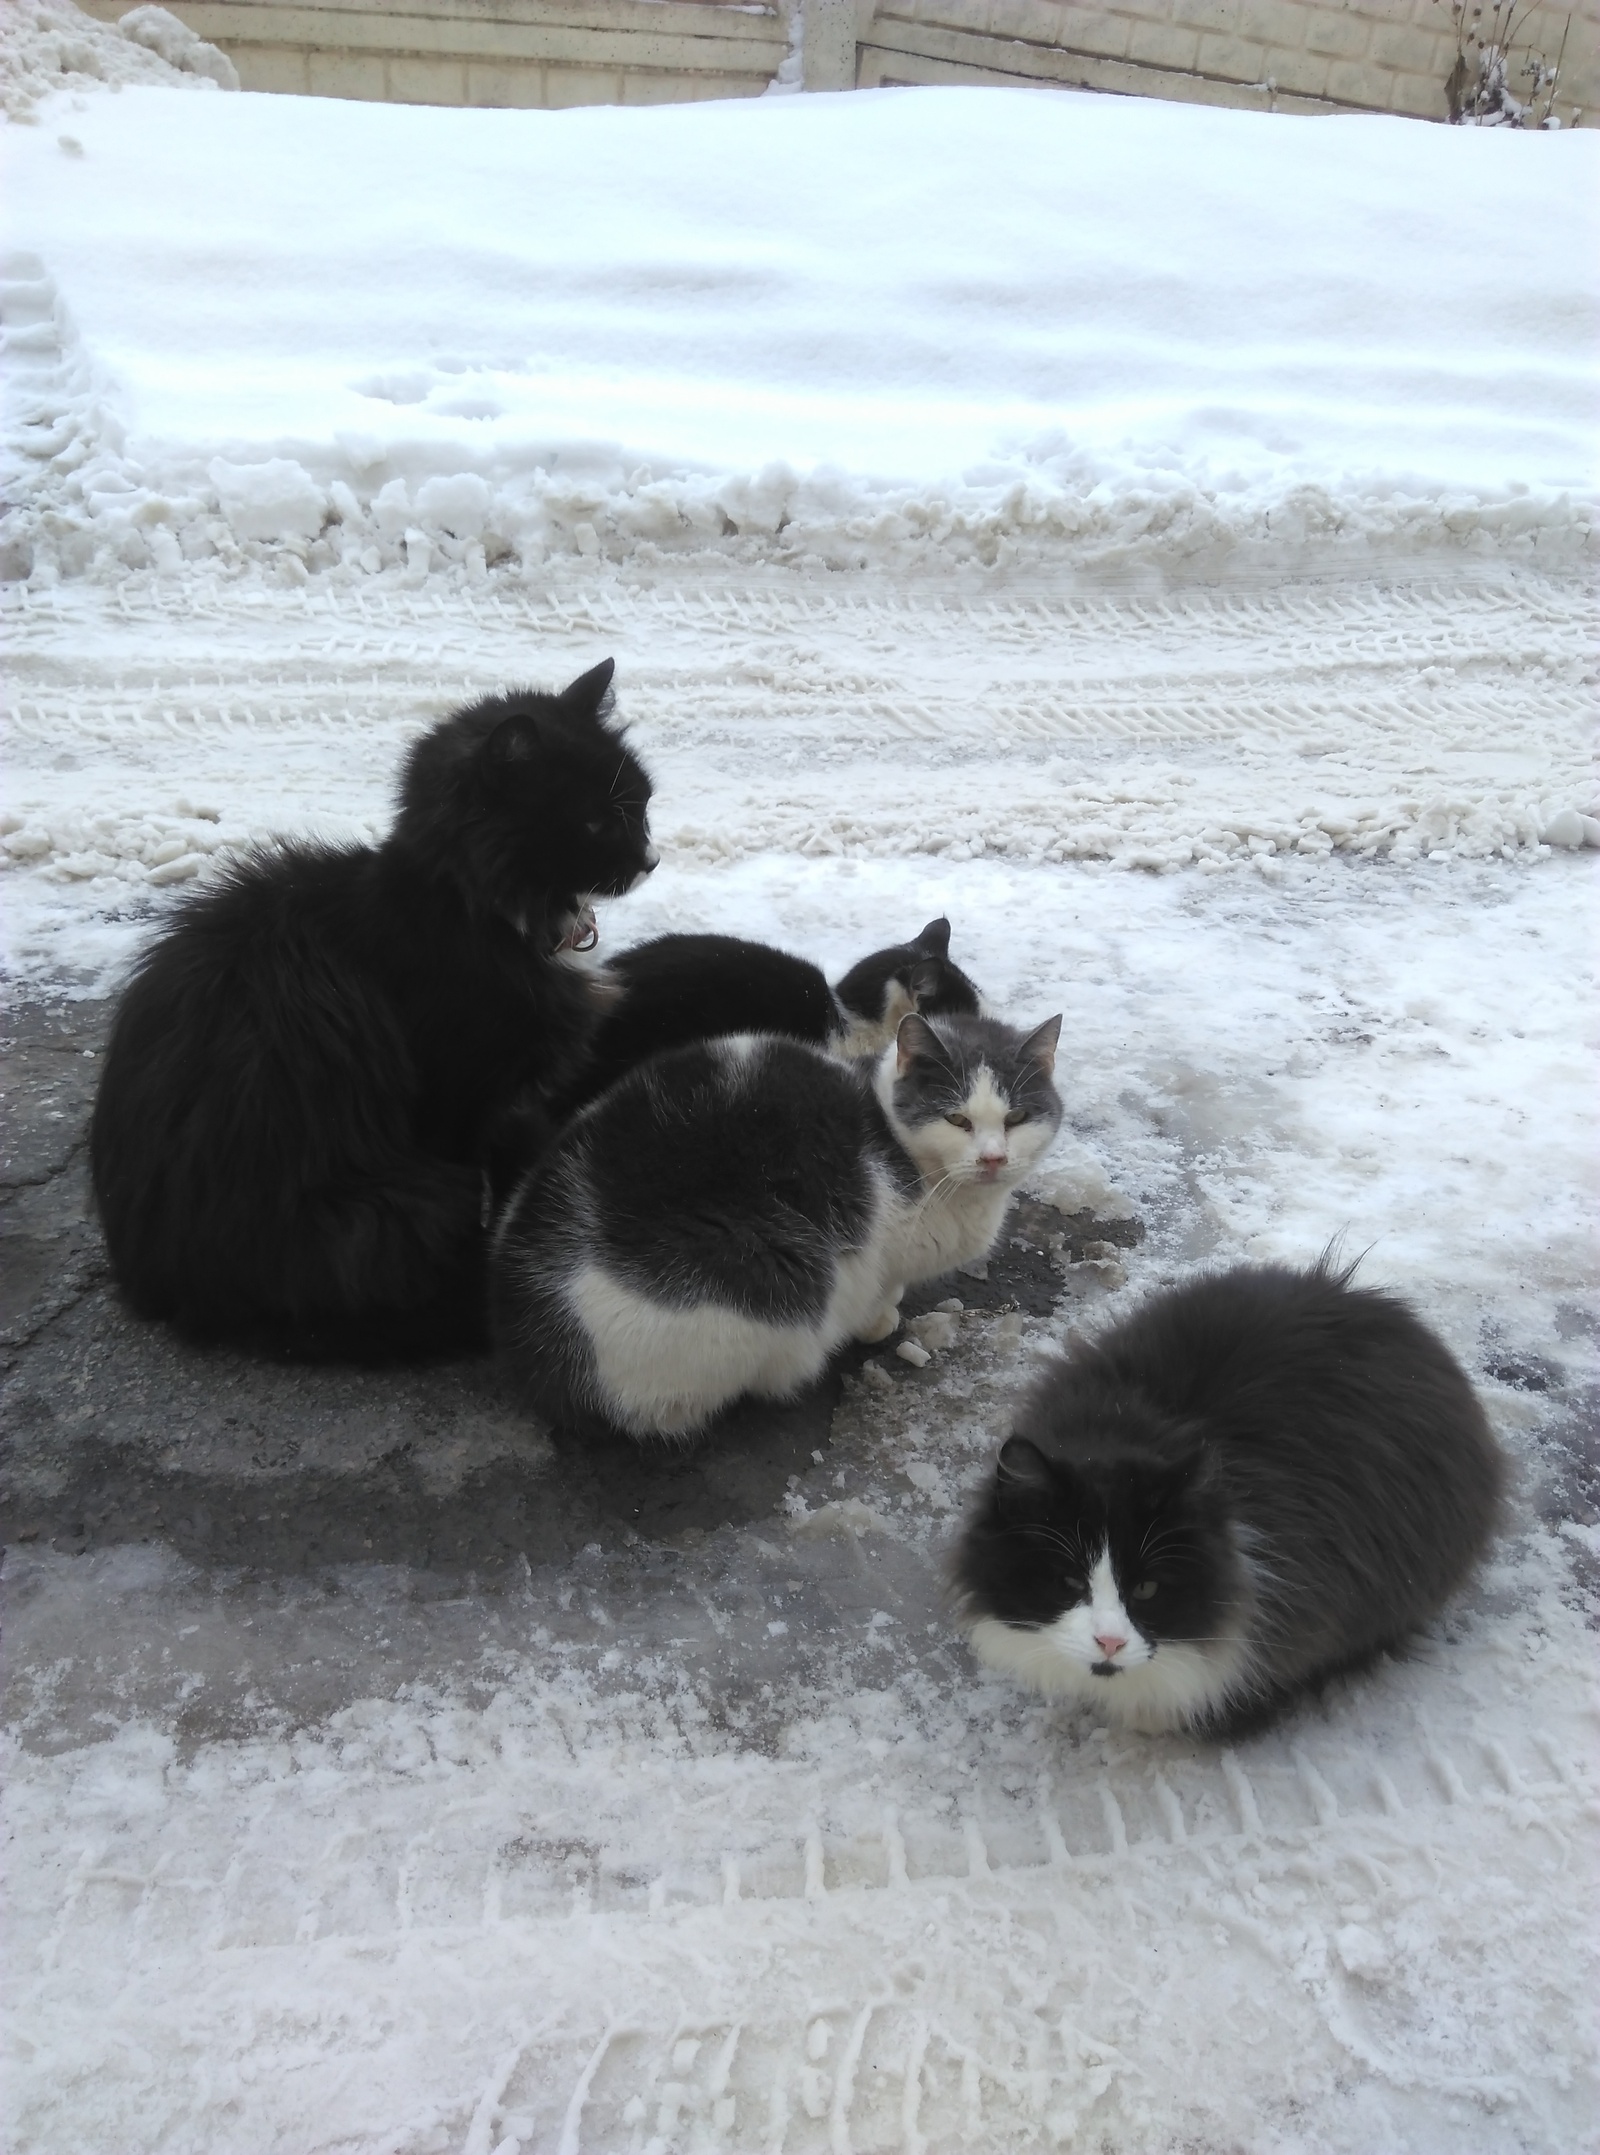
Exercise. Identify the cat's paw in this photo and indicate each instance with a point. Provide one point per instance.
(886, 1321)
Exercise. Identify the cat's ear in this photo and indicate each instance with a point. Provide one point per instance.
(1040, 1045)
(916, 1041)
(934, 939)
(1023, 1477)
(515, 740)
(590, 694)
(926, 978)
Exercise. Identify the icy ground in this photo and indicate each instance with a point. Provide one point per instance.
(383, 1780)
(1170, 562)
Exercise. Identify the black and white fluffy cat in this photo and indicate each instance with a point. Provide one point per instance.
(311, 1065)
(681, 988)
(728, 1215)
(1255, 1481)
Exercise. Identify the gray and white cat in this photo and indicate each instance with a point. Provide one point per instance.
(725, 1217)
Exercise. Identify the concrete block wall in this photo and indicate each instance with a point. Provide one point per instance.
(543, 53)
(1271, 55)
(1275, 55)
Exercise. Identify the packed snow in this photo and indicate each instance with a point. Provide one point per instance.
(1231, 731)
(987, 497)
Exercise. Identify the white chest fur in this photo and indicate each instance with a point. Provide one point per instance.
(953, 1225)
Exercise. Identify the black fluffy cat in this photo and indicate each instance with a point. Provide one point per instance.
(1255, 1481)
(682, 988)
(312, 1065)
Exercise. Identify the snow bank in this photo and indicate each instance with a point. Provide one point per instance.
(1104, 337)
(50, 45)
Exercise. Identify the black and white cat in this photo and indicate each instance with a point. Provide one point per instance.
(681, 988)
(313, 1063)
(918, 976)
(728, 1215)
(1255, 1481)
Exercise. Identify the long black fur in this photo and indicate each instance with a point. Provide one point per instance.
(313, 1064)
(678, 989)
(1264, 1442)
(682, 988)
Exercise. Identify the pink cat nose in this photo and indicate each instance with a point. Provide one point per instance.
(1109, 1644)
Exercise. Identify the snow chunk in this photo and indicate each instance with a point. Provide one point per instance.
(1081, 1186)
(1362, 1953)
(162, 33)
(1565, 828)
(458, 505)
(848, 1520)
(275, 500)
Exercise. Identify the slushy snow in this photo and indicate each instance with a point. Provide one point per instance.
(982, 493)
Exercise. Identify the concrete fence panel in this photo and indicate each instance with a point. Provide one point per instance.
(1270, 55)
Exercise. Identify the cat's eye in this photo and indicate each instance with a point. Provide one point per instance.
(1145, 1590)
(596, 827)
(962, 1122)
(1018, 1114)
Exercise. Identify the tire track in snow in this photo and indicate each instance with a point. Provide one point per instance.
(1189, 1844)
(1282, 1799)
(1216, 728)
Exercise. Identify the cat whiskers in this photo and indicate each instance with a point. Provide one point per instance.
(1158, 1540)
(1070, 1547)
(952, 1178)
(945, 1182)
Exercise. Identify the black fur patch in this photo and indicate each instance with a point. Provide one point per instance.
(683, 988)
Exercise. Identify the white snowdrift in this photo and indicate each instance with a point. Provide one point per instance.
(955, 326)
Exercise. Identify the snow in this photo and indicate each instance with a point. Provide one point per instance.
(272, 500)
(907, 1928)
(582, 1859)
(932, 326)
(50, 46)
(1233, 731)
(1191, 513)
